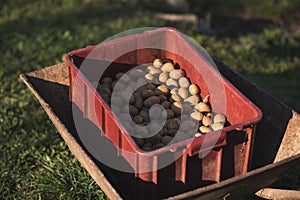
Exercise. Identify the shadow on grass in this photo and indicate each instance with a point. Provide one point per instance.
(43, 39)
(68, 18)
(283, 49)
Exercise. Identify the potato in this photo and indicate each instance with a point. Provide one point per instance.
(139, 141)
(183, 93)
(206, 121)
(155, 71)
(150, 86)
(161, 132)
(173, 123)
(163, 90)
(140, 130)
(132, 99)
(219, 118)
(197, 116)
(147, 148)
(151, 101)
(107, 80)
(104, 90)
(137, 119)
(158, 146)
(170, 113)
(165, 104)
(157, 63)
(187, 125)
(142, 80)
(150, 67)
(209, 114)
(176, 107)
(203, 107)
(184, 82)
(140, 89)
(176, 74)
(104, 85)
(119, 75)
(217, 126)
(144, 115)
(137, 94)
(153, 139)
(119, 87)
(194, 89)
(176, 97)
(187, 108)
(147, 144)
(171, 82)
(155, 112)
(193, 100)
(198, 134)
(163, 77)
(149, 77)
(139, 102)
(147, 93)
(132, 110)
(166, 139)
(136, 74)
(204, 129)
(184, 117)
(179, 99)
(167, 67)
(171, 100)
(106, 98)
(174, 91)
(125, 78)
(162, 98)
(154, 127)
(172, 132)
(145, 109)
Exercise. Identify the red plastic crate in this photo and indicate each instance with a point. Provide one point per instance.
(241, 113)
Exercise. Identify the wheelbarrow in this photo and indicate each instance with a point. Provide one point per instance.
(276, 147)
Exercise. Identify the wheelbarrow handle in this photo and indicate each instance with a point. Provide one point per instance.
(278, 194)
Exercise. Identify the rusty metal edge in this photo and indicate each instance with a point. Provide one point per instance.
(278, 194)
(103, 181)
(74, 147)
(290, 144)
(201, 191)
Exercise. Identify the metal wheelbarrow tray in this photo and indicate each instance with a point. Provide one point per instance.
(276, 144)
(241, 114)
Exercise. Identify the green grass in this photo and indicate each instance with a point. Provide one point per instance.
(35, 163)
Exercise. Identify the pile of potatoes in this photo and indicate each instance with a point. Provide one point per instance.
(165, 93)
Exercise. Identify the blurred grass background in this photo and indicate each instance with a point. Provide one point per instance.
(261, 43)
